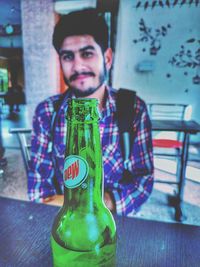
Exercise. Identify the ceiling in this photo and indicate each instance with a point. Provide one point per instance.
(10, 15)
(10, 12)
(10, 9)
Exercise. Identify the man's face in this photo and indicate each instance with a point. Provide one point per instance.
(83, 64)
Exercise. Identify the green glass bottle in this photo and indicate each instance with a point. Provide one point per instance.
(84, 231)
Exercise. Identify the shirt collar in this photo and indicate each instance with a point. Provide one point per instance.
(110, 103)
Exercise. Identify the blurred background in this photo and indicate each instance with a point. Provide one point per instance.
(156, 48)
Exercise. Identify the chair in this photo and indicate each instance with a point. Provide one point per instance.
(23, 136)
(168, 144)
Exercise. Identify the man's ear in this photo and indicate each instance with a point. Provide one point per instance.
(108, 56)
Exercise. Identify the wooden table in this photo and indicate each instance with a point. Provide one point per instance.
(25, 239)
(187, 128)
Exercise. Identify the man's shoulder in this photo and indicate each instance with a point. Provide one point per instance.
(47, 105)
(140, 103)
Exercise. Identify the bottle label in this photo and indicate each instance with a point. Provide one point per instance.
(75, 171)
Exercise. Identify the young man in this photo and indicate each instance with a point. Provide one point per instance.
(81, 40)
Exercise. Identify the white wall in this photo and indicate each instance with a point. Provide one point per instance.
(155, 86)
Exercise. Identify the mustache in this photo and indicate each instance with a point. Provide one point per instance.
(75, 75)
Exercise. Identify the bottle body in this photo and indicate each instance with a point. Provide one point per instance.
(68, 258)
(84, 231)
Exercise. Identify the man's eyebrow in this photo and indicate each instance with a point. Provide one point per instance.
(88, 47)
(64, 52)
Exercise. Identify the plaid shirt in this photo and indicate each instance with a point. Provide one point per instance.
(128, 197)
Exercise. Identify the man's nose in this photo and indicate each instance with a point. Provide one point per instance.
(78, 64)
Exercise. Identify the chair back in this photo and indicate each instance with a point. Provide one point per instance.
(23, 136)
(158, 111)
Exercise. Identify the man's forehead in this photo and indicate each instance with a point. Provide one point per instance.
(77, 42)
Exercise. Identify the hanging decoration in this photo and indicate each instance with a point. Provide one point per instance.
(145, 4)
(151, 36)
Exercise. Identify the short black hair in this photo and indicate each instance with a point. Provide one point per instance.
(87, 21)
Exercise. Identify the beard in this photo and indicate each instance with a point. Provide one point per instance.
(90, 90)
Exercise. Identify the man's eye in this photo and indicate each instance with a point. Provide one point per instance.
(68, 57)
(87, 54)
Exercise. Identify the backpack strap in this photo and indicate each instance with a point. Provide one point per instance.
(125, 104)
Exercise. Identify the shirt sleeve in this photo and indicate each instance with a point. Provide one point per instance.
(40, 176)
(131, 196)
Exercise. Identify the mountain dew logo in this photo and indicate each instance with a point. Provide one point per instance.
(75, 171)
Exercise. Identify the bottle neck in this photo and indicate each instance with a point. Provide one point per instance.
(84, 161)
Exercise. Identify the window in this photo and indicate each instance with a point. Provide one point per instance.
(3, 80)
